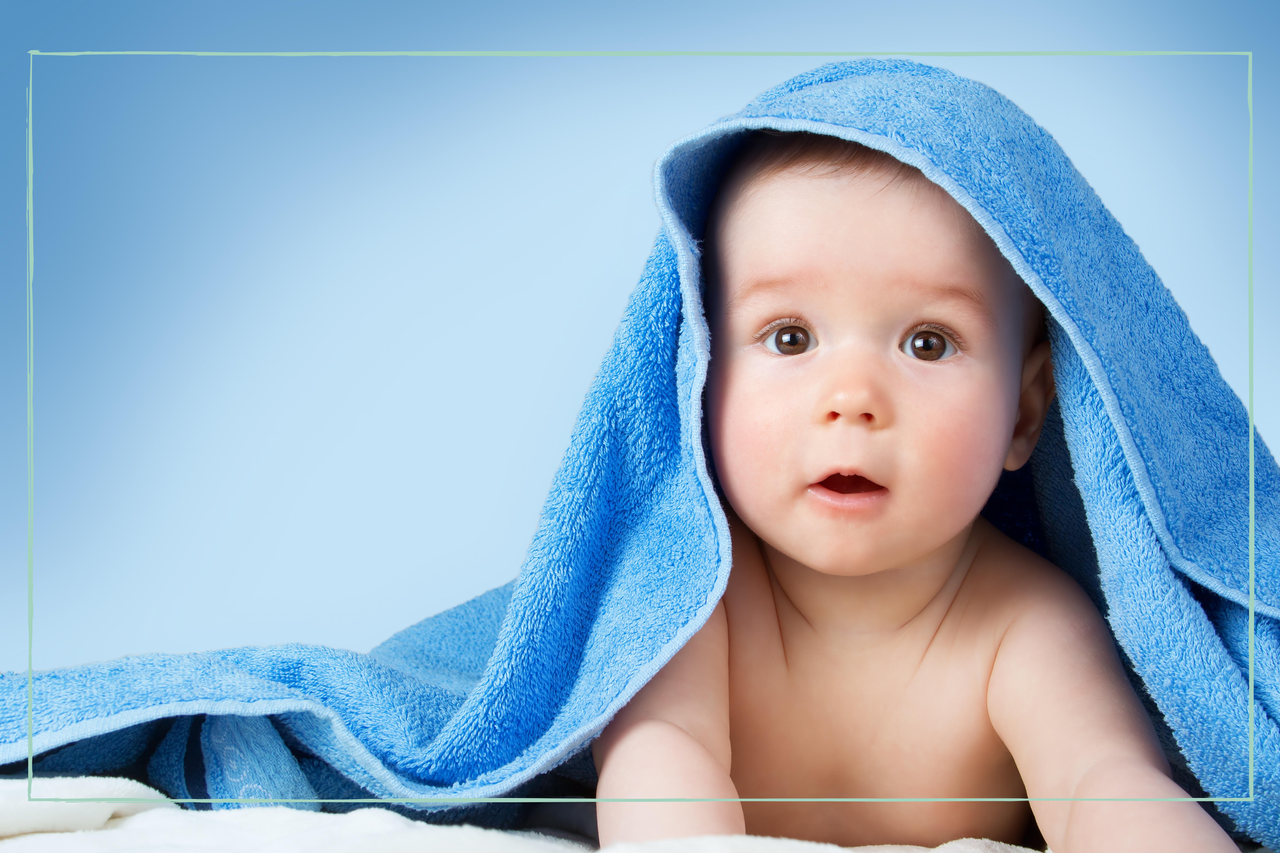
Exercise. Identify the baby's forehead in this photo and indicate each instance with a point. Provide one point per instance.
(796, 230)
(781, 222)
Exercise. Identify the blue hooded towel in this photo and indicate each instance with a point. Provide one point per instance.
(1139, 488)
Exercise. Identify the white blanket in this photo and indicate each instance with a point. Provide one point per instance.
(59, 827)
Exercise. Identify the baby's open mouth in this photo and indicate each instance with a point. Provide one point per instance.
(850, 485)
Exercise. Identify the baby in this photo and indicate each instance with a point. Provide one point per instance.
(875, 364)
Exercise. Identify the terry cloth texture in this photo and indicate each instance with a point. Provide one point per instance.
(1139, 489)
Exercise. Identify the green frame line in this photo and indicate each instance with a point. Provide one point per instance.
(465, 800)
(578, 53)
(1249, 406)
(31, 430)
(32, 54)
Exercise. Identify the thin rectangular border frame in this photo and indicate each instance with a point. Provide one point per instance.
(594, 53)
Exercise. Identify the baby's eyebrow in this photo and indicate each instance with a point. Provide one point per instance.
(758, 287)
(944, 292)
(972, 296)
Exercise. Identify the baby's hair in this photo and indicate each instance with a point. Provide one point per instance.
(765, 153)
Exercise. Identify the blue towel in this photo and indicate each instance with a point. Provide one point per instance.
(1139, 488)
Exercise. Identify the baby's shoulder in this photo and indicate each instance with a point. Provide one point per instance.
(1014, 584)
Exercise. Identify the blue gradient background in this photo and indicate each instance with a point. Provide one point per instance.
(311, 333)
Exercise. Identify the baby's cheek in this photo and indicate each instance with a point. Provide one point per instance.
(749, 443)
(965, 457)
(749, 448)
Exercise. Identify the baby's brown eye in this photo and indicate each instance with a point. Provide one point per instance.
(789, 340)
(928, 346)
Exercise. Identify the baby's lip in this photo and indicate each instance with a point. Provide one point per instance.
(850, 483)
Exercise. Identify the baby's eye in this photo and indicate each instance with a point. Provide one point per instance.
(789, 340)
(928, 345)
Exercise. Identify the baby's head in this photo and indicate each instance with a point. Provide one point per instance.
(875, 362)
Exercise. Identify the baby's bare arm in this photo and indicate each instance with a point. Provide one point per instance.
(672, 740)
(1059, 699)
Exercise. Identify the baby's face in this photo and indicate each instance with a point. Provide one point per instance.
(868, 345)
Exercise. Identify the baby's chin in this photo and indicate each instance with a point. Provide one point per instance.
(840, 550)
(842, 565)
(863, 565)
(840, 556)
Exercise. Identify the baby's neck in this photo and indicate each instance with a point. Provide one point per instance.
(878, 607)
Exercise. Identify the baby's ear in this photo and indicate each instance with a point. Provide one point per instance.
(1033, 405)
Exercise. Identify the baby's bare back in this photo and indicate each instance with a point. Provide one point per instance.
(897, 716)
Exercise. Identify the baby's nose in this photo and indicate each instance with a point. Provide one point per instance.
(855, 390)
(868, 418)
(861, 404)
